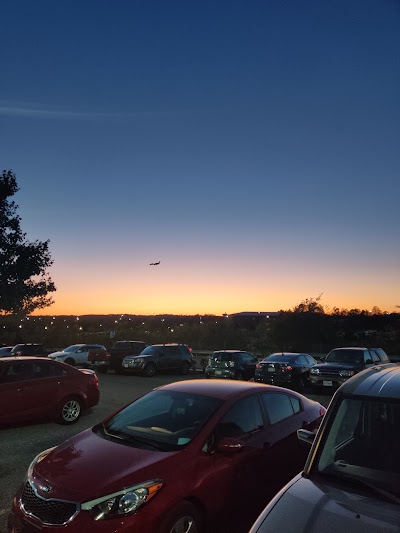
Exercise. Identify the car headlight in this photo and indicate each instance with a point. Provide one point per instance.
(346, 373)
(124, 502)
(314, 371)
(37, 460)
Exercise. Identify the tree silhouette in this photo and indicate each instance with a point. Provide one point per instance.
(24, 281)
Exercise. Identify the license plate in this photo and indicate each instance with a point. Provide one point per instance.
(218, 372)
(327, 383)
(271, 369)
(125, 365)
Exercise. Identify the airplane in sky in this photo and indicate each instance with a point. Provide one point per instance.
(154, 264)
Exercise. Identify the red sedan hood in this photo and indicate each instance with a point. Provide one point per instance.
(89, 466)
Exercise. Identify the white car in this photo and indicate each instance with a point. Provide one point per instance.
(76, 354)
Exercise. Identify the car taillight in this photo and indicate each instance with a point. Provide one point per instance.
(258, 365)
(322, 411)
(287, 368)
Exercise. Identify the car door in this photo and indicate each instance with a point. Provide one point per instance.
(41, 390)
(249, 364)
(167, 358)
(284, 457)
(235, 475)
(14, 380)
(81, 354)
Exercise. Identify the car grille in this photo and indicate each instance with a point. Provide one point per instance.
(329, 374)
(52, 512)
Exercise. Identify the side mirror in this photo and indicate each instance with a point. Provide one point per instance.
(305, 437)
(230, 445)
(369, 362)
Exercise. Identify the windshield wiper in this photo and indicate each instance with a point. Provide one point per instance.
(129, 439)
(389, 496)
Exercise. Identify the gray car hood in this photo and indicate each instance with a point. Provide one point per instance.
(307, 506)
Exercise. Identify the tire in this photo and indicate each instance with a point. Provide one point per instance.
(303, 384)
(185, 368)
(102, 370)
(185, 518)
(69, 411)
(70, 361)
(149, 370)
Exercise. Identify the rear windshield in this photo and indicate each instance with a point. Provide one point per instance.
(223, 356)
(280, 358)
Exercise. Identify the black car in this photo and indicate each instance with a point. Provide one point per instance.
(342, 363)
(160, 358)
(291, 369)
(29, 349)
(231, 364)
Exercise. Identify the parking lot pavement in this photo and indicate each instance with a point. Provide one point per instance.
(21, 444)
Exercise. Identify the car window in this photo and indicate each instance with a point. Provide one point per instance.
(45, 370)
(244, 417)
(310, 360)
(374, 356)
(16, 372)
(279, 406)
(367, 356)
(301, 360)
(248, 358)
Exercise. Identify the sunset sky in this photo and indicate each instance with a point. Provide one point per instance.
(253, 147)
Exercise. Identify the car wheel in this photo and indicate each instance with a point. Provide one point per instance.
(102, 370)
(69, 411)
(185, 518)
(149, 370)
(185, 368)
(70, 361)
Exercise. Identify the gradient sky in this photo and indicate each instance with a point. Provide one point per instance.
(253, 147)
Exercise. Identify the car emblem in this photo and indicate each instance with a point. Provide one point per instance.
(45, 488)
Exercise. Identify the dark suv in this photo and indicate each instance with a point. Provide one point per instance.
(28, 350)
(342, 363)
(231, 364)
(159, 358)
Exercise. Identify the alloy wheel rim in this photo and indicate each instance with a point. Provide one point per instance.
(186, 524)
(71, 411)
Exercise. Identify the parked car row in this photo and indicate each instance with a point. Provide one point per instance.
(293, 369)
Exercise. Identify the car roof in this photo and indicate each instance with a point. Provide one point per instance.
(294, 354)
(381, 381)
(229, 351)
(349, 348)
(220, 388)
(24, 358)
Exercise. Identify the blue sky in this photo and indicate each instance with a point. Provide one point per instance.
(252, 147)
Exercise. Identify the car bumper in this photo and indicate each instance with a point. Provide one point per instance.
(270, 379)
(143, 520)
(327, 382)
(220, 374)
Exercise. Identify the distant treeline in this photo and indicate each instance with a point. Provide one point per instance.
(306, 328)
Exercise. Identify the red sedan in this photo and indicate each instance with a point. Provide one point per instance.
(191, 456)
(39, 388)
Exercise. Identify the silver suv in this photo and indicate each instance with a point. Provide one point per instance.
(351, 480)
